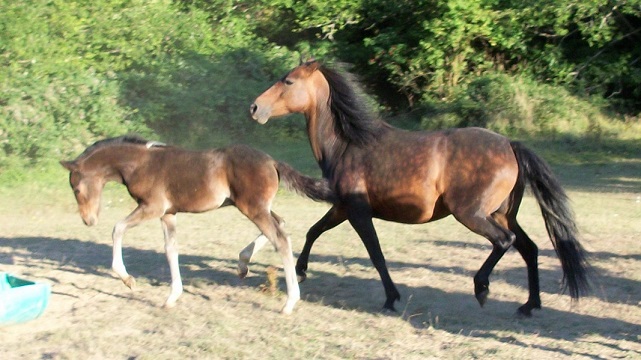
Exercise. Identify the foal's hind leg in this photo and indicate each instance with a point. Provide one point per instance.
(270, 227)
(168, 222)
(330, 220)
(248, 252)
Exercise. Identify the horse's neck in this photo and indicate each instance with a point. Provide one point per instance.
(326, 144)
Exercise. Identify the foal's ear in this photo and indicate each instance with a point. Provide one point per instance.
(69, 165)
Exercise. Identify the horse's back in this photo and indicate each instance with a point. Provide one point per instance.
(416, 177)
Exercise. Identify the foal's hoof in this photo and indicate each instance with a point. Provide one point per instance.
(242, 270)
(130, 282)
(168, 305)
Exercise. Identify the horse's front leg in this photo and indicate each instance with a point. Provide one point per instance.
(168, 222)
(334, 217)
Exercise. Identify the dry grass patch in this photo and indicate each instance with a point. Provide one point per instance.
(93, 315)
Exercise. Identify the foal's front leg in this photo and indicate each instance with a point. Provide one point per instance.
(168, 222)
(140, 214)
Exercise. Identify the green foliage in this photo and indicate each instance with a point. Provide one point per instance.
(185, 71)
(520, 107)
(429, 48)
(73, 72)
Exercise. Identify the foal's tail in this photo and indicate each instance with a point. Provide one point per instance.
(558, 217)
(315, 189)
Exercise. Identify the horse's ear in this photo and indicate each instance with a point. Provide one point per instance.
(312, 64)
(305, 59)
(69, 165)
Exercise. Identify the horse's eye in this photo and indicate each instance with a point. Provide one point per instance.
(288, 82)
(76, 191)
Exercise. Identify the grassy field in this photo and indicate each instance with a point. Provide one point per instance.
(92, 315)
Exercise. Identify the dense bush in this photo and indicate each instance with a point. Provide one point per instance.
(426, 49)
(185, 71)
(74, 72)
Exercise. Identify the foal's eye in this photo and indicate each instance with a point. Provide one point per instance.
(288, 82)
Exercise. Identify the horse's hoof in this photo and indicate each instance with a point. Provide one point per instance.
(389, 308)
(481, 296)
(301, 275)
(387, 311)
(525, 311)
(130, 282)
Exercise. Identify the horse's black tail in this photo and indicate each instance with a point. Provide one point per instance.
(315, 189)
(558, 217)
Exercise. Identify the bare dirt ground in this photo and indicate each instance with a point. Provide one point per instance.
(92, 315)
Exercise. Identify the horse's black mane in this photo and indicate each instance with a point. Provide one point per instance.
(125, 139)
(354, 121)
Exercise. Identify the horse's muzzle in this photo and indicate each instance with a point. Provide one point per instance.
(258, 114)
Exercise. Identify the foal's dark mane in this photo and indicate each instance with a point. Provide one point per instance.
(125, 139)
(353, 120)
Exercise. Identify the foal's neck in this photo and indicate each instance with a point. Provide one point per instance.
(118, 162)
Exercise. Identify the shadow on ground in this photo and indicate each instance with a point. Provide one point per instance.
(422, 306)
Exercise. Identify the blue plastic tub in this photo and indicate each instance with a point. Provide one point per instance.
(21, 300)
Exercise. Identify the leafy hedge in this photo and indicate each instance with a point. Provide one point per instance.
(185, 71)
(72, 72)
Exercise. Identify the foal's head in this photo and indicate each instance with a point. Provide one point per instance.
(89, 173)
(87, 187)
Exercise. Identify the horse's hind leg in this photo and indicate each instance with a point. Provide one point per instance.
(529, 252)
(248, 252)
(501, 239)
(168, 222)
(330, 220)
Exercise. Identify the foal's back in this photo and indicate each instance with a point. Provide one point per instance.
(199, 181)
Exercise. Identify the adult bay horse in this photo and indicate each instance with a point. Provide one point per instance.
(380, 171)
(165, 180)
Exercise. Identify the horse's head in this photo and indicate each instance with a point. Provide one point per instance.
(296, 92)
(87, 188)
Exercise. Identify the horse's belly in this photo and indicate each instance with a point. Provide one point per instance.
(409, 210)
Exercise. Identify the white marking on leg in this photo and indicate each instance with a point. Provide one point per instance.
(117, 263)
(171, 251)
(248, 252)
(293, 291)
